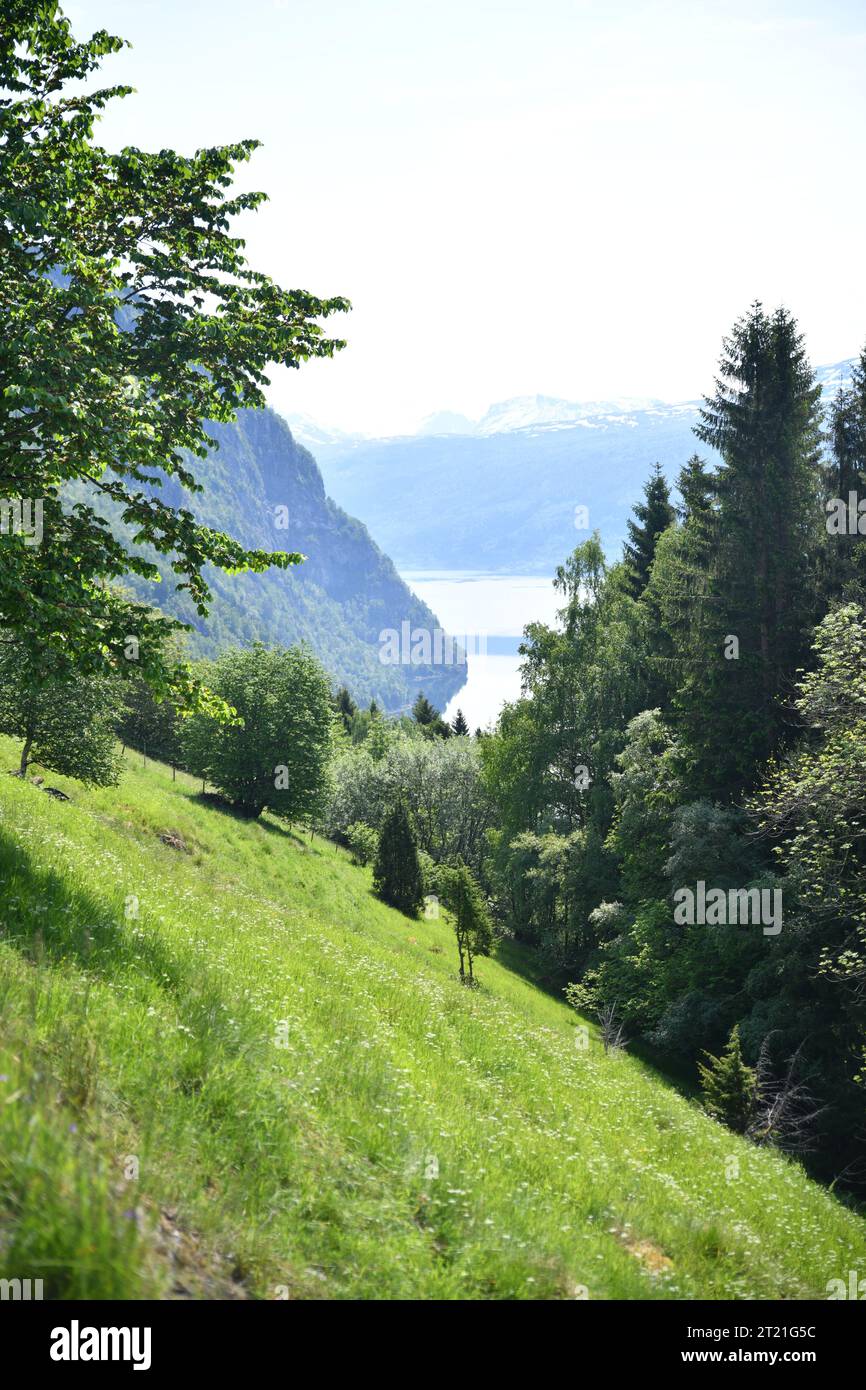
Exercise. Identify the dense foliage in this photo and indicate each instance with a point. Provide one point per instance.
(65, 721)
(131, 319)
(274, 753)
(678, 796)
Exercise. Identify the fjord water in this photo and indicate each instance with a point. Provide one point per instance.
(496, 607)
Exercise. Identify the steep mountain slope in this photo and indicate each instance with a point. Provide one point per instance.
(226, 1070)
(266, 490)
(506, 487)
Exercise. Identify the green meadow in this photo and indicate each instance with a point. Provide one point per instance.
(228, 1071)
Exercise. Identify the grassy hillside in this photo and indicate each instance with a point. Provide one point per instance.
(411, 1139)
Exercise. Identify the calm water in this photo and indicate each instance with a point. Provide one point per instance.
(497, 607)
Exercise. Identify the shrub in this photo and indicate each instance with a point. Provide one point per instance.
(363, 841)
(729, 1085)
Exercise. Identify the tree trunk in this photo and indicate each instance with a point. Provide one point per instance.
(25, 755)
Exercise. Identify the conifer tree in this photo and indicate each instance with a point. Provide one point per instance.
(345, 707)
(695, 486)
(459, 724)
(843, 477)
(653, 516)
(423, 712)
(677, 590)
(729, 1085)
(848, 434)
(750, 615)
(429, 720)
(397, 877)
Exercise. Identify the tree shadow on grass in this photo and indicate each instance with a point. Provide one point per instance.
(213, 801)
(51, 923)
(69, 935)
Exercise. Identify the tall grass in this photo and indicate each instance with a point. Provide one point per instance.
(229, 1071)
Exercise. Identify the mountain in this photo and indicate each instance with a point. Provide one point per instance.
(313, 435)
(551, 412)
(265, 489)
(502, 493)
(504, 498)
(447, 422)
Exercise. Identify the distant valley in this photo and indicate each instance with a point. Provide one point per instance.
(505, 494)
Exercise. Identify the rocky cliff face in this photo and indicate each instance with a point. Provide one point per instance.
(264, 488)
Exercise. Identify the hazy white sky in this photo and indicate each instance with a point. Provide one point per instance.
(575, 197)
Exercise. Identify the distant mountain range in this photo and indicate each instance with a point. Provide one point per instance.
(505, 493)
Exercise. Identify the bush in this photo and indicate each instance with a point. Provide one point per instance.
(440, 780)
(363, 841)
(729, 1085)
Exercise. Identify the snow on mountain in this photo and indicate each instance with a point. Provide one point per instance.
(447, 422)
(533, 412)
(313, 435)
(834, 377)
(543, 413)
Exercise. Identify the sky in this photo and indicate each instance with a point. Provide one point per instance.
(571, 197)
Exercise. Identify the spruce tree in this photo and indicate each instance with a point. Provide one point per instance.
(429, 720)
(345, 707)
(752, 592)
(729, 1085)
(695, 486)
(848, 435)
(653, 516)
(423, 712)
(397, 877)
(459, 725)
(676, 593)
(846, 474)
